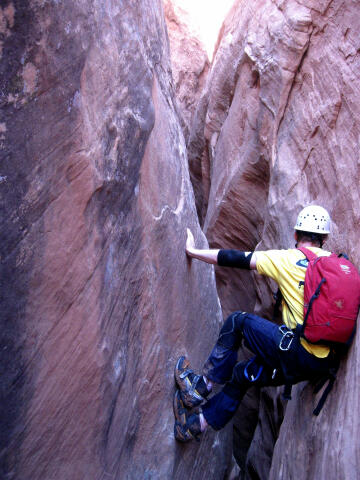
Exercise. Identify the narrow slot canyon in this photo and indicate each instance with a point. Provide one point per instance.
(122, 125)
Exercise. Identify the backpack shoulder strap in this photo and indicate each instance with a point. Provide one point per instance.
(308, 253)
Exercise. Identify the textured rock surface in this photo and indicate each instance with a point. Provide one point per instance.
(277, 127)
(189, 60)
(97, 297)
(258, 458)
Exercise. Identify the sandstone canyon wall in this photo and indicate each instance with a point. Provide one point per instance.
(277, 127)
(97, 296)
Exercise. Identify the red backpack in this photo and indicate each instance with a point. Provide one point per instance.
(331, 299)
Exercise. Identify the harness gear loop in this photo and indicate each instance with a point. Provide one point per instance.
(252, 377)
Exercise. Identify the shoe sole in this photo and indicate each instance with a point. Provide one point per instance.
(178, 369)
(179, 408)
(181, 433)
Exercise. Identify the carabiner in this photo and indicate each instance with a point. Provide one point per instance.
(286, 339)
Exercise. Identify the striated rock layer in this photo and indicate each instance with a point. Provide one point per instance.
(97, 296)
(277, 127)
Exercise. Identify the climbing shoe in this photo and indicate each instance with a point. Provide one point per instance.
(192, 387)
(187, 426)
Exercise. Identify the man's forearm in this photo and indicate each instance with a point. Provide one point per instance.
(208, 256)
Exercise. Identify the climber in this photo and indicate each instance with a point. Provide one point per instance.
(281, 357)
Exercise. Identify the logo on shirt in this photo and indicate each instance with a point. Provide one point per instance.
(303, 263)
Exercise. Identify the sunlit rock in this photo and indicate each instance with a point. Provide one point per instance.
(189, 60)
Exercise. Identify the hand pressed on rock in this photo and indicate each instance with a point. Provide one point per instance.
(205, 255)
(190, 242)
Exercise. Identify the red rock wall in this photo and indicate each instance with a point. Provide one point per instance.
(277, 127)
(97, 296)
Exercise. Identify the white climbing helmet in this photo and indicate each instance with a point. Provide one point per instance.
(313, 219)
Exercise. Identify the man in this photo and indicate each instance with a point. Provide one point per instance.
(281, 356)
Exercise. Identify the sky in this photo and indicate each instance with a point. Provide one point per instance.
(207, 16)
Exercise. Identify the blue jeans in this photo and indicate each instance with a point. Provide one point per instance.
(270, 365)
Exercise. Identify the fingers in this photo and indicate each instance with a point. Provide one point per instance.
(190, 242)
(190, 236)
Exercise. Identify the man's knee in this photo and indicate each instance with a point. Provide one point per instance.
(231, 332)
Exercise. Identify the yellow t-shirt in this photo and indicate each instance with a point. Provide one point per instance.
(287, 268)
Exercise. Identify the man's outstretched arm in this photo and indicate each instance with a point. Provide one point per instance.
(208, 256)
(225, 258)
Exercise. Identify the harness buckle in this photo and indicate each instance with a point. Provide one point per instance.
(286, 339)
